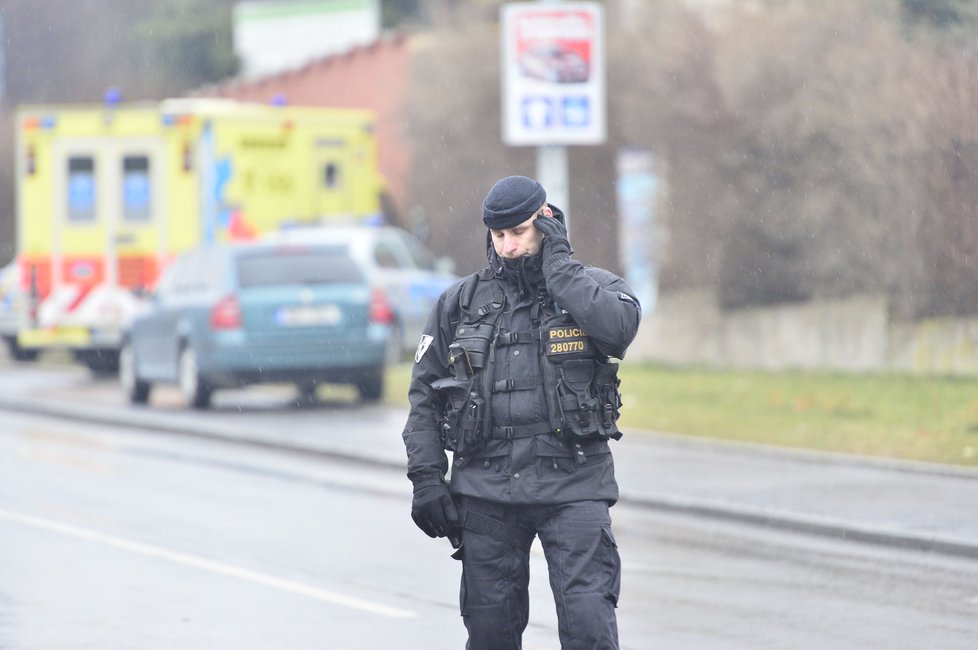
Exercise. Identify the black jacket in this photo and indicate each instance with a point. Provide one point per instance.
(541, 469)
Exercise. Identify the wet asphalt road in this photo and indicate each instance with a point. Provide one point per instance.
(122, 538)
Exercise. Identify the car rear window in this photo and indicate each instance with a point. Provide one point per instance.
(269, 268)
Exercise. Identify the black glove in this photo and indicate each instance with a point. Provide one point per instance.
(433, 509)
(554, 236)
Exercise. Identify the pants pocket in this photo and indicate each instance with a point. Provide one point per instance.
(612, 564)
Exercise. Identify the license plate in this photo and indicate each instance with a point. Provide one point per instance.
(55, 337)
(309, 315)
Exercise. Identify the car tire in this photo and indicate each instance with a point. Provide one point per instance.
(101, 363)
(135, 389)
(196, 393)
(307, 392)
(18, 353)
(371, 385)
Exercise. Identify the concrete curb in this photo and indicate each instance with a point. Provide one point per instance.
(165, 424)
(820, 526)
(727, 511)
(813, 456)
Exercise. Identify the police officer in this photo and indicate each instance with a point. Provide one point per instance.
(513, 376)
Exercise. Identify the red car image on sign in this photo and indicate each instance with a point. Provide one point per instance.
(554, 62)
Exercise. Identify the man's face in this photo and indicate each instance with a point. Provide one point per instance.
(519, 241)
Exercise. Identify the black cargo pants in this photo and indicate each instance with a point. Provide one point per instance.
(582, 560)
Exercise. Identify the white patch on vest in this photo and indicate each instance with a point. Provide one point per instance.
(423, 346)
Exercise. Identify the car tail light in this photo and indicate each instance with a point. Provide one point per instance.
(380, 308)
(226, 314)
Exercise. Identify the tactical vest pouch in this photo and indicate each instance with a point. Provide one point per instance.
(606, 383)
(469, 352)
(578, 405)
(588, 399)
(460, 427)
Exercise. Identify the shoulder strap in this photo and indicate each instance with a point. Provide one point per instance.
(469, 285)
(487, 297)
(466, 291)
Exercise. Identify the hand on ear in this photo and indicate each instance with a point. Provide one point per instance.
(554, 236)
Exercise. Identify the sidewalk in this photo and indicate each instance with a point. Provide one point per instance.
(927, 507)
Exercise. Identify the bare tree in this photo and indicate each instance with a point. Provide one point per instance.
(949, 239)
(824, 156)
(664, 96)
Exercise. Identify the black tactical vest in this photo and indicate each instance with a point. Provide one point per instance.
(581, 386)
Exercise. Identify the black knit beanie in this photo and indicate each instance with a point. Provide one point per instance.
(511, 201)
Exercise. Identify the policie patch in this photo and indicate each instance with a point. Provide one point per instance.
(566, 340)
(423, 346)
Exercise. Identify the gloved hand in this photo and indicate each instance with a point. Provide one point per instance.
(554, 236)
(433, 509)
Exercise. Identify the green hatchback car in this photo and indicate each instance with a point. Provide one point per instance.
(229, 315)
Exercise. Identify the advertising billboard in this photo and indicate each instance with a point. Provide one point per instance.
(553, 73)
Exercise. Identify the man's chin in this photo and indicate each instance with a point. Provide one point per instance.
(517, 257)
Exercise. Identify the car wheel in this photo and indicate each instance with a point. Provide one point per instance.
(307, 392)
(135, 389)
(196, 393)
(18, 353)
(101, 363)
(371, 385)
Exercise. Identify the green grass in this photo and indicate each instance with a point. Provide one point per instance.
(915, 418)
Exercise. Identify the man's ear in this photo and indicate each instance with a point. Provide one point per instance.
(547, 212)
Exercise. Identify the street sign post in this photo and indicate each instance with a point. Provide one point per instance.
(553, 83)
(553, 73)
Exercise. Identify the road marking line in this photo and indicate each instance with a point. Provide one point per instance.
(246, 575)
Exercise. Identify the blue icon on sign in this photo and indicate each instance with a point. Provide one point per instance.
(576, 111)
(538, 112)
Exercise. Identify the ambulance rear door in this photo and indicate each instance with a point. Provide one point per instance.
(109, 225)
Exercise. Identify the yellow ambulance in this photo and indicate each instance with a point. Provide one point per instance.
(108, 194)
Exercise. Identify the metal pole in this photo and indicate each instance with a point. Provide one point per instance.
(552, 168)
(552, 174)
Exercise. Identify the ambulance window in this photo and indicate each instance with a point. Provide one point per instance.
(331, 176)
(81, 189)
(136, 191)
